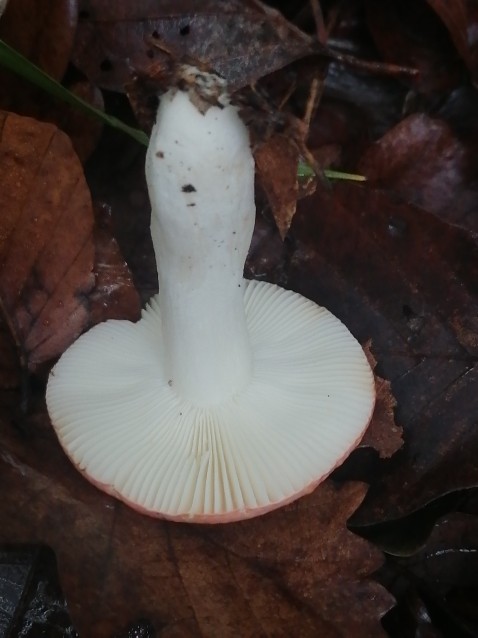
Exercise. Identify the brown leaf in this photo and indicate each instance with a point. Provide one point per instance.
(425, 162)
(116, 177)
(410, 34)
(382, 434)
(114, 296)
(83, 130)
(41, 30)
(404, 278)
(450, 556)
(445, 573)
(47, 253)
(276, 163)
(115, 42)
(10, 372)
(296, 571)
(461, 19)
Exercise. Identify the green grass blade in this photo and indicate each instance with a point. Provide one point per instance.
(304, 170)
(17, 63)
(351, 177)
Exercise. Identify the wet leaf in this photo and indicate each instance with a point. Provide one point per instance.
(409, 33)
(442, 578)
(461, 19)
(450, 556)
(43, 31)
(114, 295)
(362, 255)
(426, 163)
(47, 251)
(383, 434)
(296, 571)
(211, 31)
(38, 103)
(31, 600)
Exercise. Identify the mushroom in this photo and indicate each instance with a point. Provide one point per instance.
(229, 398)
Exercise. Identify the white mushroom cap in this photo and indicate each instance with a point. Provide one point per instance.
(119, 419)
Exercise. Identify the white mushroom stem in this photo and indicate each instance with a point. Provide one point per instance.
(200, 174)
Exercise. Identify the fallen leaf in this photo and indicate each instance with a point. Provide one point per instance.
(30, 594)
(407, 280)
(461, 19)
(41, 30)
(276, 165)
(441, 578)
(116, 42)
(47, 251)
(83, 130)
(383, 434)
(46, 257)
(410, 34)
(114, 295)
(422, 160)
(43, 33)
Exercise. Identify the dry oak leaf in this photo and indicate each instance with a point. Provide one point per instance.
(47, 248)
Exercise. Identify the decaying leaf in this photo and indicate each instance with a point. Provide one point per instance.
(43, 31)
(424, 161)
(412, 35)
(276, 164)
(47, 250)
(83, 130)
(383, 434)
(31, 599)
(407, 280)
(437, 585)
(461, 19)
(296, 571)
(46, 256)
(114, 295)
(117, 41)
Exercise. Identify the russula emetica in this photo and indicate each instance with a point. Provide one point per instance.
(229, 398)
